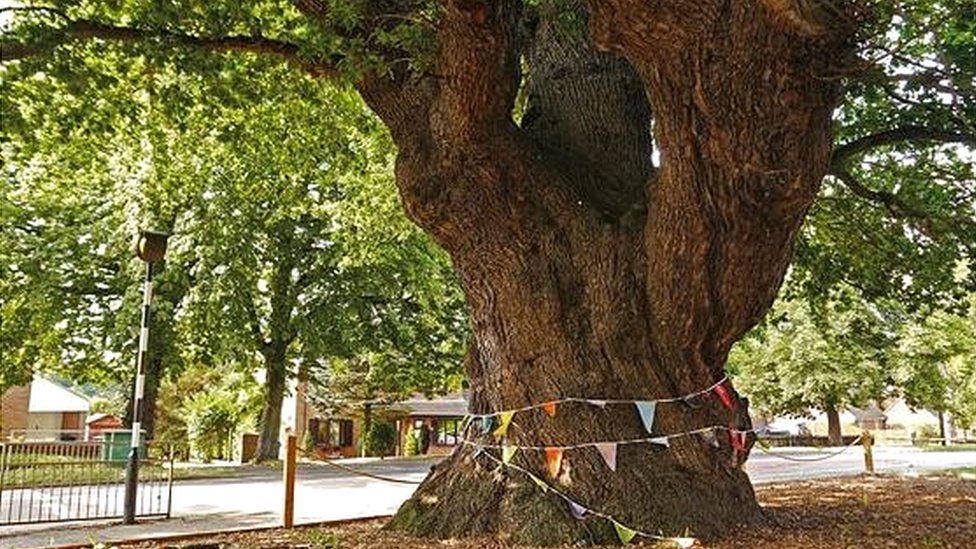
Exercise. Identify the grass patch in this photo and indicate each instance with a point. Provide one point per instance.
(74, 472)
(967, 447)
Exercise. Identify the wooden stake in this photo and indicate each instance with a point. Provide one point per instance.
(868, 441)
(289, 478)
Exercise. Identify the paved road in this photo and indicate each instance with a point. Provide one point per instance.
(323, 493)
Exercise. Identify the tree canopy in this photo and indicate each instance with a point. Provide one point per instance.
(621, 186)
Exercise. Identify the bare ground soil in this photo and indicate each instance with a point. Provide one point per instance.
(857, 512)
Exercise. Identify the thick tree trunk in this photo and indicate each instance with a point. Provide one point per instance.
(590, 274)
(834, 435)
(274, 394)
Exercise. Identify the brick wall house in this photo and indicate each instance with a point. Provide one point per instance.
(14, 410)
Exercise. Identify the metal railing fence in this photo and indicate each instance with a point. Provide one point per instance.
(71, 481)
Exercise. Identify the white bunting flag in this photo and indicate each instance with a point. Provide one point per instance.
(663, 441)
(609, 452)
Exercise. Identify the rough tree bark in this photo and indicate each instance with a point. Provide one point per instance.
(274, 395)
(834, 435)
(590, 273)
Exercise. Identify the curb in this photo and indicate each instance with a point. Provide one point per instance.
(183, 537)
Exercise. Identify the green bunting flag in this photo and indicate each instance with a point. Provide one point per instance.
(538, 482)
(625, 534)
(508, 452)
(504, 418)
(486, 424)
(646, 410)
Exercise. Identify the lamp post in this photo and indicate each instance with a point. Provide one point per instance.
(150, 247)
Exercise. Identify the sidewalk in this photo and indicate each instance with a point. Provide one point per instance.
(90, 533)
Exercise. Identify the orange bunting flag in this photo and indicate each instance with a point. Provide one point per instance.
(554, 459)
(550, 408)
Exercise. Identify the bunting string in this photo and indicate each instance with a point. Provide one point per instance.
(581, 512)
(662, 440)
(550, 406)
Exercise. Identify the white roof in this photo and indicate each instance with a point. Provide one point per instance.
(48, 396)
(450, 405)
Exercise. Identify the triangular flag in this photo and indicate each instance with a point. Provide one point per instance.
(486, 424)
(625, 534)
(724, 396)
(684, 543)
(710, 438)
(663, 441)
(504, 418)
(609, 452)
(554, 459)
(646, 410)
(538, 482)
(600, 403)
(578, 511)
(737, 439)
(507, 453)
(550, 408)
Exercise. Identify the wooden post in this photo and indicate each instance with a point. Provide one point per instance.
(868, 441)
(289, 478)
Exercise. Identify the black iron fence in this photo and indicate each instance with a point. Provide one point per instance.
(77, 480)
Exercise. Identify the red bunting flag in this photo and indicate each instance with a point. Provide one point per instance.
(550, 408)
(724, 396)
(738, 440)
(554, 459)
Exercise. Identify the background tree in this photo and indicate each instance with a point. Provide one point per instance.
(826, 359)
(588, 270)
(260, 200)
(936, 364)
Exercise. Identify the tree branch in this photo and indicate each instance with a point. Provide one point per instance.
(82, 29)
(897, 135)
(898, 208)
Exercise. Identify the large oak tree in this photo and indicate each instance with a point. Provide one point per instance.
(589, 269)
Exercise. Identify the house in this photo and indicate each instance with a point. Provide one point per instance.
(42, 410)
(14, 409)
(55, 412)
(98, 423)
(436, 422)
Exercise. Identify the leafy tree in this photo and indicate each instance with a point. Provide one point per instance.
(825, 359)
(936, 363)
(261, 201)
(588, 269)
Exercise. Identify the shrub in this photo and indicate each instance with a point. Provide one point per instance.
(381, 439)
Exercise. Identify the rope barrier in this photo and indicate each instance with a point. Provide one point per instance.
(818, 458)
(370, 475)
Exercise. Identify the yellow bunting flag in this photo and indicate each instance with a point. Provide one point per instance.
(538, 482)
(508, 452)
(550, 408)
(504, 419)
(625, 534)
(554, 459)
